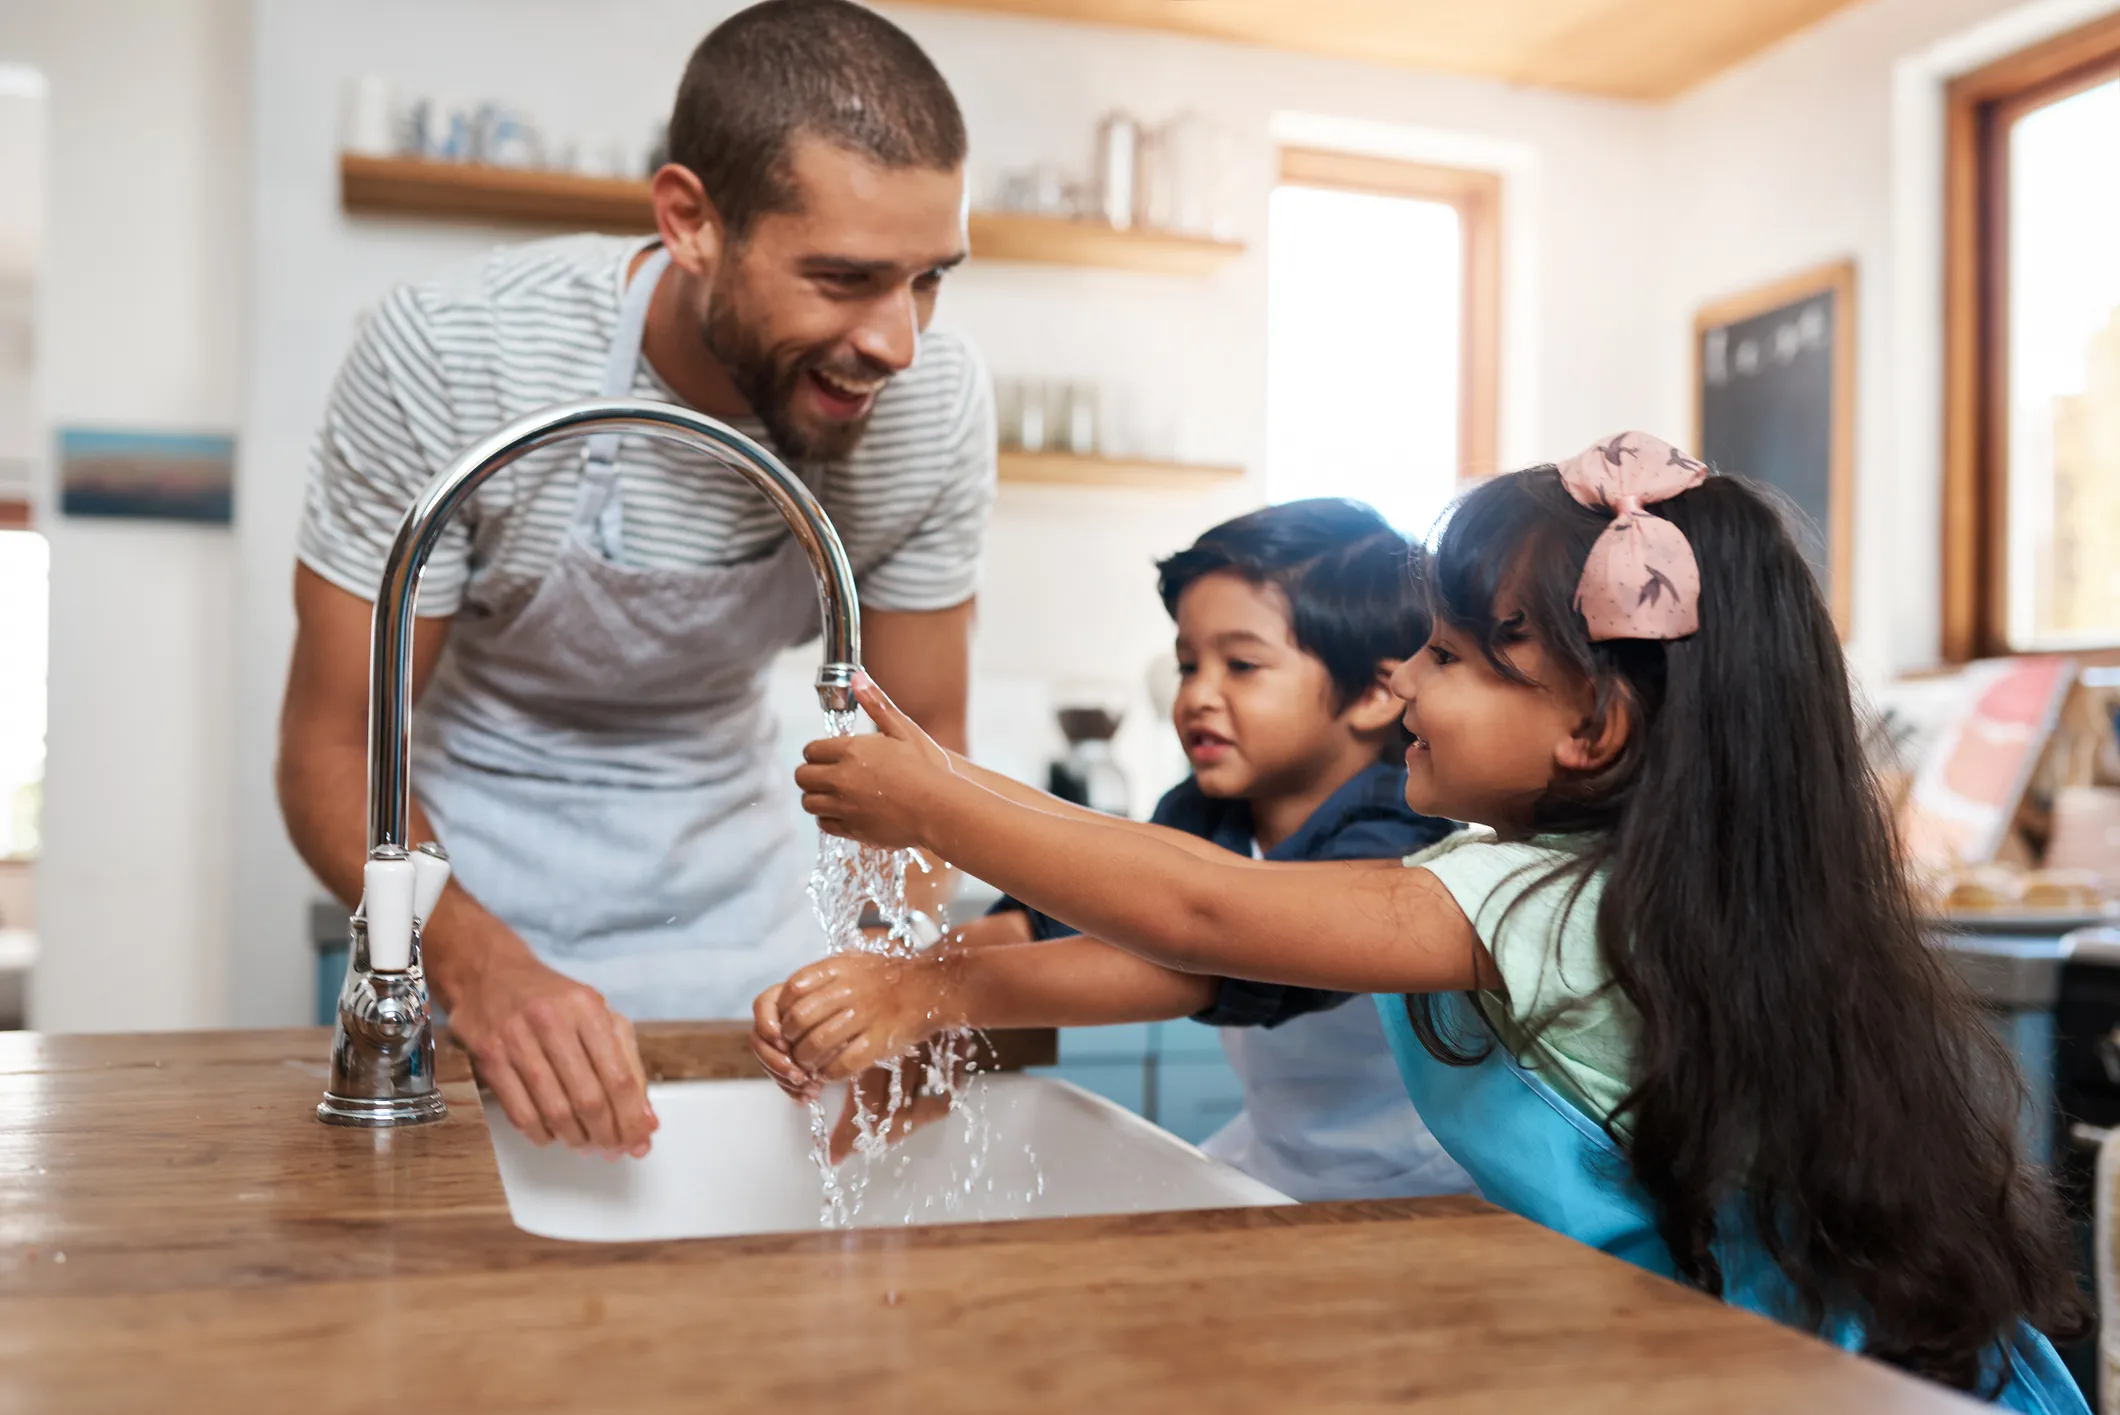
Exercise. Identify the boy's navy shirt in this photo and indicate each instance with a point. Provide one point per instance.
(1366, 819)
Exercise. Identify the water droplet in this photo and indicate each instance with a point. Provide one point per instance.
(848, 879)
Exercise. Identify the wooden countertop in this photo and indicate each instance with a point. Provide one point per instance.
(178, 1234)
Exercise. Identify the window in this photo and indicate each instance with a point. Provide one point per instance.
(23, 576)
(22, 554)
(2032, 438)
(1383, 303)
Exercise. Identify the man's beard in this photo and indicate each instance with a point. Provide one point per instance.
(768, 382)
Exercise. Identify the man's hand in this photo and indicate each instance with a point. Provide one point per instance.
(561, 1063)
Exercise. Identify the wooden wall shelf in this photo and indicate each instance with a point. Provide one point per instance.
(1047, 240)
(396, 186)
(1067, 469)
(401, 186)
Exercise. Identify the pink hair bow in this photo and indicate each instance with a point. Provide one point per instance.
(1641, 580)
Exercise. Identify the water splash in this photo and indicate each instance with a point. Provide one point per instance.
(849, 878)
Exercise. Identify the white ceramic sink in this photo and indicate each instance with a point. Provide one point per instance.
(734, 1157)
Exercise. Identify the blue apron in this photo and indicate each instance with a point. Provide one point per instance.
(1535, 1154)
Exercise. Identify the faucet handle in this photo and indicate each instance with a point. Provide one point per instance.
(430, 875)
(387, 886)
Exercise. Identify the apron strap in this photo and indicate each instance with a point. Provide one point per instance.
(599, 515)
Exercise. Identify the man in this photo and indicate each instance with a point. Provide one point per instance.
(593, 745)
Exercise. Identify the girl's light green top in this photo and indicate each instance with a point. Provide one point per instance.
(1555, 1010)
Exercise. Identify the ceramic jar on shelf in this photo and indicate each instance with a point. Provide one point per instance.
(1047, 415)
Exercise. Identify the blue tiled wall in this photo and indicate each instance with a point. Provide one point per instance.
(1171, 1073)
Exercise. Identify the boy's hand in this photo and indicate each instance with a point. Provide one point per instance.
(871, 1092)
(843, 1014)
(868, 788)
(771, 1050)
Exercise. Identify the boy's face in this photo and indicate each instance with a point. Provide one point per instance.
(1254, 712)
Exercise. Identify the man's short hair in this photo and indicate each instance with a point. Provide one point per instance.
(1354, 600)
(826, 69)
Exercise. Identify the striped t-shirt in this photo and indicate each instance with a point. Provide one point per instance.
(443, 363)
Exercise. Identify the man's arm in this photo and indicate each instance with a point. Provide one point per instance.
(929, 654)
(561, 1063)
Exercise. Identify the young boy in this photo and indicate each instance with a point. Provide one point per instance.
(1289, 619)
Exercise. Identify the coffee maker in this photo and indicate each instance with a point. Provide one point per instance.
(1089, 774)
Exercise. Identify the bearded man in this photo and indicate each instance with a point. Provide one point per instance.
(593, 744)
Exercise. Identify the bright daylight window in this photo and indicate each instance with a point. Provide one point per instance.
(1379, 333)
(23, 618)
(2064, 373)
(2032, 446)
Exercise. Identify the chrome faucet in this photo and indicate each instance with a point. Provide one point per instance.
(382, 1053)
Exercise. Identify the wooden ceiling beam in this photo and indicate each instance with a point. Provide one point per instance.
(1632, 49)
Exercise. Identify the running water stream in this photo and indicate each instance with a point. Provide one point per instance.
(848, 878)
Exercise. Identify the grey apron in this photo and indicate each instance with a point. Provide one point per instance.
(600, 762)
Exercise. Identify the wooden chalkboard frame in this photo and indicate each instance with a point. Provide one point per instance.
(1837, 279)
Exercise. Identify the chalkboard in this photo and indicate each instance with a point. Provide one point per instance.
(1774, 382)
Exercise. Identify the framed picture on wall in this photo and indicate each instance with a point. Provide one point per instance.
(156, 476)
(1774, 400)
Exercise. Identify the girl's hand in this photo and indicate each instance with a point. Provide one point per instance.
(772, 1052)
(844, 1014)
(868, 788)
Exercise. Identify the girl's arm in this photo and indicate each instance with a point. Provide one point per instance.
(1010, 789)
(1351, 927)
(843, 1014)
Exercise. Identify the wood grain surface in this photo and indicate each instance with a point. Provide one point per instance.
(180, 1235)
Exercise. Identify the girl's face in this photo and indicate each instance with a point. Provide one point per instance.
(1486, 748)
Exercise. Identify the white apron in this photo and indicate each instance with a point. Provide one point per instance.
(600, 763)
(1325, 1112)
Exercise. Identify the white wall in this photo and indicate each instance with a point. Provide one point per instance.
(1791, 161)
(140, 324)
(1069, 588)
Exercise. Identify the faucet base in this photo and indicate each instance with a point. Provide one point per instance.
(382, 1054)
(380, 1112)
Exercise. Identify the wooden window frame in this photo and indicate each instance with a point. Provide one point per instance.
(1477, 195)
(1980, 108)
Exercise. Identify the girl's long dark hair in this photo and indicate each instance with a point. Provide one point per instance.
(1805, 1057)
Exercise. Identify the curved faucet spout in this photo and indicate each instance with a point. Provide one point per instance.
(390, 686)
(382, 1054)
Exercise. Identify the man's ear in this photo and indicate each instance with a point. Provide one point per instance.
(690, 227)
(1377, 707)
(1593, 745)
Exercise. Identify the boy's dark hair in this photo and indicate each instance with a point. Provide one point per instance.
(1348, 577)
(1806, 1065)
(826, 69)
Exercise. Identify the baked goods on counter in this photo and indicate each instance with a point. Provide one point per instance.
(1977, 890)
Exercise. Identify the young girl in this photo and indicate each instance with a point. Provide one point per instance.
(1676, 1003)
